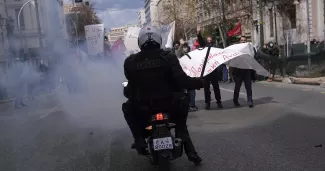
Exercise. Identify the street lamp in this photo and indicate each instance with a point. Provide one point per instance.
(37, 19)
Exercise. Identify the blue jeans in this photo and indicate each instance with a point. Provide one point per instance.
(191, 96)
(225, 73)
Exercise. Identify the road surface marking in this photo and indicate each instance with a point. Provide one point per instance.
(50, 111)
(224, 89)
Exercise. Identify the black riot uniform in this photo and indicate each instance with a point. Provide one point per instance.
(156, 84)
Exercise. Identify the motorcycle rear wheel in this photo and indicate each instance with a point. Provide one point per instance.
(163, 164)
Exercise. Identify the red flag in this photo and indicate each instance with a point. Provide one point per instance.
(235, 31)
(118, 46)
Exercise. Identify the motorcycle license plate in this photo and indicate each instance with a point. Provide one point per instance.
(163, 143)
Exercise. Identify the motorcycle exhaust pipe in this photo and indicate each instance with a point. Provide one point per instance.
(178, 142)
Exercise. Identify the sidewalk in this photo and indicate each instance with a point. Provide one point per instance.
(5, 104)
(2, 101)
(41, 103)
(320, 81)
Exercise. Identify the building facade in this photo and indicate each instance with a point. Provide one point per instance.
(288, 23)
(235, 11)
(141, 17)
(151, 14)
(26, 35)
(119, 33)
(283, 20)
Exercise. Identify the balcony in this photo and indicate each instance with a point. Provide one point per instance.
(15, 3)
(27, 33)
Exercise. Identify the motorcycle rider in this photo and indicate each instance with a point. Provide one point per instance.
(156, 83)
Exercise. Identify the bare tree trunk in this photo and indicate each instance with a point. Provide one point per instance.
(185, 34)
(222, 35)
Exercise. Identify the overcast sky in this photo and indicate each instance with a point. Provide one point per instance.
(120, 12)
(115, 13)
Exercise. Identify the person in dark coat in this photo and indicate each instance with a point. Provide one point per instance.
(182, 50)
(240, 76)
(214, 77)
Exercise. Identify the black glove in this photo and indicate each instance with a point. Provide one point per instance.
(203, 82)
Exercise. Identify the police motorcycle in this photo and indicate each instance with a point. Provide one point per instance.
(162, 147)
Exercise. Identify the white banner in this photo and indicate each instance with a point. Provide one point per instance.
(167, 34)
(131, 40)
(239, 56)
(95, 38)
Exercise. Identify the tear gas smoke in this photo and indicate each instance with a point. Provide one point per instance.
(99, 94)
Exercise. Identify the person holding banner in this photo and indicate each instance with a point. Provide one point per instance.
(240, 76)
(213, 78)
(182, 50)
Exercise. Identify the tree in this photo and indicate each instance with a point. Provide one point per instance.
(224, 13)
(84, 15)
(183, 13)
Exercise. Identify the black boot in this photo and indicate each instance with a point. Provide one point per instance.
(219, 104)
(191, 153)
(250, 102)
(194, 157)
(188, 145)
(236, 103)
(207, 106)
(141, 146)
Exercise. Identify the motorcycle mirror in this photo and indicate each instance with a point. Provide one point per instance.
(124, 84)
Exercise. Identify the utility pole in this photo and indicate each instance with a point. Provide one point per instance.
(260, 5)
(224, 20)
(251, 11)
(7, 24)
(275, 22)
(77, 24)
(38, 25)
(308, 35)
(324, 23)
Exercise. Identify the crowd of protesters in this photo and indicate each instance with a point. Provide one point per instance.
(223, 74)
(25, 77)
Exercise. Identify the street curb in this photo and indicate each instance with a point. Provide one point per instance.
(304, 81)
(322, 85)
(6, 101)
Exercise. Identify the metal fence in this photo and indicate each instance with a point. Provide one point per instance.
(296, 64)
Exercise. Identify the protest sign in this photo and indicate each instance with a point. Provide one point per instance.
(235, 56)
(167, 34)
(95, 38)
(131, 39)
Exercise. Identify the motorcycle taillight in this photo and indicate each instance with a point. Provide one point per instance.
(159, 117)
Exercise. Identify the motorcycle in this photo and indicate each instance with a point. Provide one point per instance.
(162, 146)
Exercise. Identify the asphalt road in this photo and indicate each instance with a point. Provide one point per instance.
(88, 133)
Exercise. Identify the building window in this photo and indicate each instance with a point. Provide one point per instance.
(293, 18)
(271, 18)
(22, 19)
